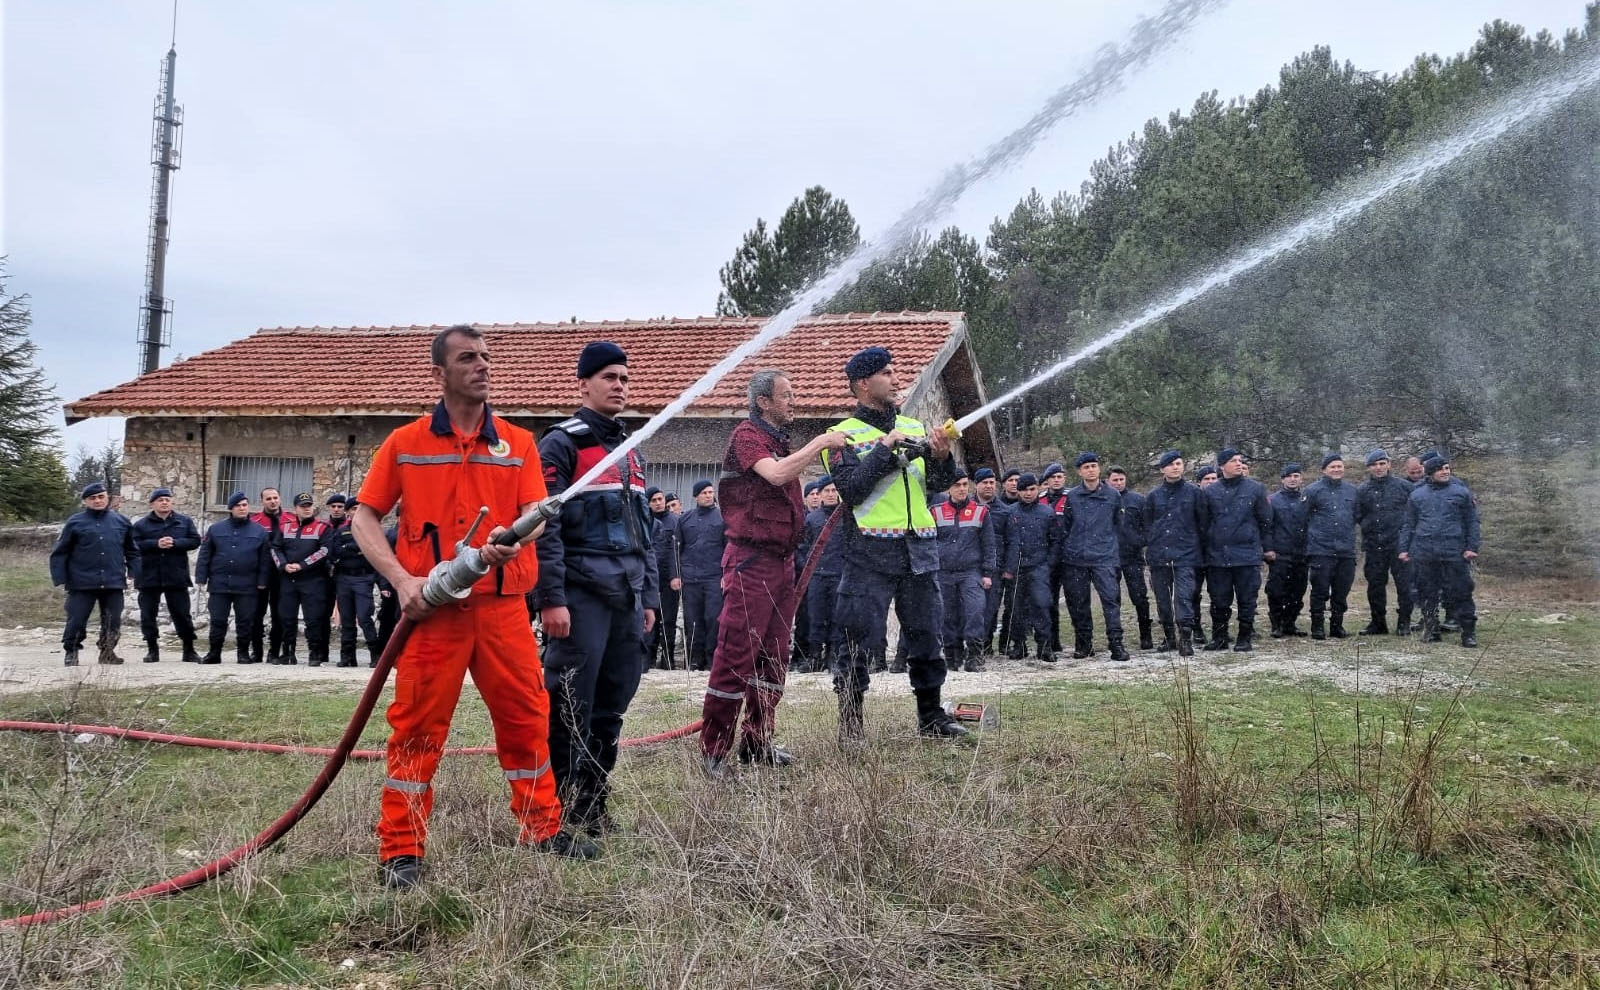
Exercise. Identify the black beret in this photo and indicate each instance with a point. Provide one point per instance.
(337, 498)
(1227, 454)
(304, 498)
(810, 487)
(983, 474)
(1434, 462)
(1168, 458)
(1375, 456)
(960, 475)
(1087, 457)
(699, 487)
(866, 363)
(236, 498)
(1203, 470)
(160, 493)
(598, 354)
(1331, 456)
(1026, 481)
(92, 488)
(1291, 468)
(1051, 468)
(651, 492)
(824, 481)
(672, 496)
(1011, 473)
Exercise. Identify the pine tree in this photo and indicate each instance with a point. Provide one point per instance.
(32, 477)
(814, 234)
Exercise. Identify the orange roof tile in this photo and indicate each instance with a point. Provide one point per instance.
(374, 370)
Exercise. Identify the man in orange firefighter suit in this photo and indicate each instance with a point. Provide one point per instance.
(444, 466)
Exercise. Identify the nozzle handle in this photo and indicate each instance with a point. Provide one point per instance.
(543, 512)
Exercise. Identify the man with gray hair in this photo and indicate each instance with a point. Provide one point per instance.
(764, 516)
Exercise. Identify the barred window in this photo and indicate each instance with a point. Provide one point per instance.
(678, 478)
(288, 475)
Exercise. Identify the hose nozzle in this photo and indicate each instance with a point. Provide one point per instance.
(452, 580)
(911, 449)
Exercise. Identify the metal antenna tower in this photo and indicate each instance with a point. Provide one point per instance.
(155, 310)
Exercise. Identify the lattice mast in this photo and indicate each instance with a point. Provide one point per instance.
(155, 310)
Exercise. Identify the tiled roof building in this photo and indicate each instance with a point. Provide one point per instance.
(240, 416)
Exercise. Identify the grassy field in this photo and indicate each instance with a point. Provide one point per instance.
(1277, 834)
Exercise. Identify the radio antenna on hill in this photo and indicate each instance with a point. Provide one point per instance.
(155, 310)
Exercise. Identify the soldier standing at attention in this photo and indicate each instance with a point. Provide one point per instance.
(1175, 520)
(966, 572)
(1440, 536)
(1131, 541)
(701, 539)
(165, 539)
(1240, 520)
(1380, 511)
(1286, 555)
(94, 556)
(1330, 547)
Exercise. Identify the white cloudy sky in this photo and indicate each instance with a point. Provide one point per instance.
(398, 161)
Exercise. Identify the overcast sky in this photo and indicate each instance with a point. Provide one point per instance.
(394, 162)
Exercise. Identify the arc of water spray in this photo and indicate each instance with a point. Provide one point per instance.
(1105, 73)
(1485, 128)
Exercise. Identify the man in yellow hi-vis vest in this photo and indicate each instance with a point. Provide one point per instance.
(884, 472)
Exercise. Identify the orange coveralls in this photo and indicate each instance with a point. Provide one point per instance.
(442, 478)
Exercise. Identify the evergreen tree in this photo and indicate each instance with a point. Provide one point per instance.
(814, 234)
(32, 478)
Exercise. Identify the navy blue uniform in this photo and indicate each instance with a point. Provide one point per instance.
(1002, 590)
(966, 556)
(1032, 551)
(93, 557)
(1131, 540)
(1241, 518)
(233, 564)
(822, 592)
(1090, 555)
(264, 624)
(163, 572)
(353, 580)
(1439, 526)
(1286, 575)
(1330, 551)
(388, 601)
(1175, 520)
(701, 541)
(1380, 512)
(661, 645)
(597, 560)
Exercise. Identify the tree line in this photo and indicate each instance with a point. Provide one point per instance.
(1466, 308)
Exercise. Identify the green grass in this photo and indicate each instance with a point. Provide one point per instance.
(26, 595)
(1105, 835)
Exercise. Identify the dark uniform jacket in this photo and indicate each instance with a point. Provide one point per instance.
(1287, 535)
(664, 541)
(95, 550)
(855, 477)
(1441, 522)
(344, 553)
(234, 557)
(304, 542)
(965, 536)
(1241, 516)
(1035, 539)
(832, 562)
(169, 567)
(1176, 516)
(1380, 511)
(1330, 519)
(603, 538)
(1131, 533)
(701, 539)
(1089, 526)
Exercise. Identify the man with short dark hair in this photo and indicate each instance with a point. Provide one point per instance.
(823, 590)
(165, 539)
(966, 571)
(1330, 547)
(270, 518)
(353, 580)
(1002, 590)
(1240, 518)
(1052, 492)
(597, 588)
(1286, 554)
(94, 556)
(300, 553)
(702, 538)
(1175, 521)
(764, 518)
(235, 559)
(1091, 557)
(1440, 535)
(1380, 511)
(1131, 541)
(1033, 546)
(661, 645)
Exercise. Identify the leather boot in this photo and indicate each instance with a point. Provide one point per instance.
(880, 663)
(347, 655)
(1336, 628)
(373, 653)
(1402, 626)
(152, 653)
(952, 657)
(1317, 629)
(189, 655)
(1082, 646)
(1119, 653)
(1277, 627)
(933, 720)
(1169, 638)
(1430, 629)
(1046, 653)
(1377, 627)
(213, 656)
(1243, 643)
(1146, 640)
(108, 651)
(71, 659)
(243, 656)
(974, 657)
(1219, 637)
(1469, 633)
(1290, 628)
(1016, 651)
(852, 727)
(1185, 643)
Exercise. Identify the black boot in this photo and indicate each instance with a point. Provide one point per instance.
(975, 652)
(1146, 640)
(373, 653)
(933, 720)
(152, 653)
(347, 655)
(108, 649)
(1219, 637)
(1082, 646)
(1336, 628)
(71, 659)
(189, 655)
(214, 656)
(1402, 626)
(852, 727)
(1290, 628)
(1317, 630)
(1430, 629)
(1277, 627)
(1379, 626)
(1185, 643)
(1046, 654)
(1469, 633)
(243, 656)
(1017, 651)
(952, 657)
(880, 662)
(1243, 644)
(1119, 653)
(1169, 638)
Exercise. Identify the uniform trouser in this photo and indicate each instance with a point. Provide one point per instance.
(592, 675)
(702, 603)
(1200, 575)
(267, 603)
(822, 596)
(1058, 584)
(306, 596)
(80, 605)
(354, 593)
(752, 656)
(1000, 601)
(243, 605)
(1379, 565)
(1033, 608)
(330, 598)
(1331, 579)
(802, 620)
(1173, 587)
(1286, 589)
(488, 635)
(862, 619)
(1447, 579)
(662, 643)
(1132, 570)
(961, 594)
(177, 597)
(1227, 585)
(388, 616)
(1103, 578)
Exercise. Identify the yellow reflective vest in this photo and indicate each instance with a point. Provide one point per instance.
(899, 501)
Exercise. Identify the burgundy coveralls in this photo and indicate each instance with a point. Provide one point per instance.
(763, 523)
